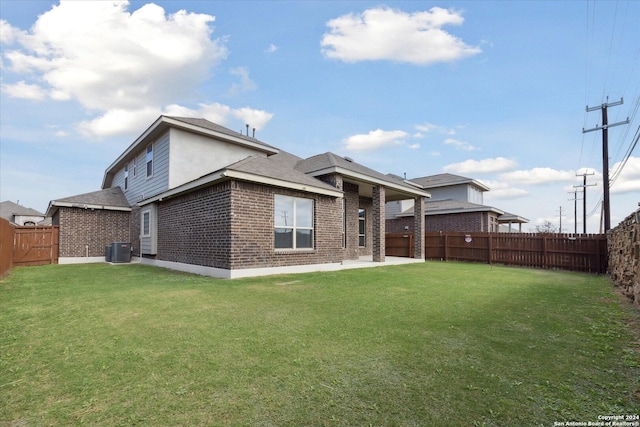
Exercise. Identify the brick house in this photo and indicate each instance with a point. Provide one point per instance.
(20, 215)
(205, 199)
(456, 204)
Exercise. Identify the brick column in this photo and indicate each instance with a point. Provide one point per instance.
(378, 226)
(418, 228)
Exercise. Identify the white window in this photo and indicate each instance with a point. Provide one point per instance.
(135, 166)
(126, 177)
(293, 222)
(150, 161)
(362, 228)
(146, 223)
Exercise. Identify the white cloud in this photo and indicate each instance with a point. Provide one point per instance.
(246, 84)
(8, 33)
(430, 127)
(502, 190)
(386, 34)
(375, 139)
(271, 49)
(118, 121)
(24, 90)
(498, 164)
(111, 60)
(254, 118)
(538, 176)
(629, 179)
(460, 145)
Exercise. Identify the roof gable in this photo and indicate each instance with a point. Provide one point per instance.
(326, 163)
(447, 180)
(110, 199)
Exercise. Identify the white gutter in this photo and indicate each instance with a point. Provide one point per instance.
(89, 206)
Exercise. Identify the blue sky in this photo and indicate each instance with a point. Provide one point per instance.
(494, 91)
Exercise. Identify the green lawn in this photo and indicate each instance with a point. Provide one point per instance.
(415, 345)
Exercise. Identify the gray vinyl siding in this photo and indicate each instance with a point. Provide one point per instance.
(392, 209)
(141, 187)
(454, 192)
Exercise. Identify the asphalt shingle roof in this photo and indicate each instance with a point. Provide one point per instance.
(9, 209)
(108, 197)
(329, 160)
(276, 168)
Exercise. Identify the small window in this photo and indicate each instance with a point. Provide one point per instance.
(150, 161)
(126, 177)
(146, 223)
(293, 220)
(135, 166)
(362, 227)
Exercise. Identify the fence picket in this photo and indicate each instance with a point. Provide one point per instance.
(575, 252)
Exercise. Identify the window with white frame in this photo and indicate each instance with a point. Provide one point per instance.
(293, 222)
(135, 166)
(146, 223)
(362, 228)
(150, 161)
(126, 177)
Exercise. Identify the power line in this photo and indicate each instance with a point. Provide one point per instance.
(618, 171)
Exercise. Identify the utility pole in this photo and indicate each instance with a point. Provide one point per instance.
(560, 231)
(584, 198)
(575, 210)
(605, 154)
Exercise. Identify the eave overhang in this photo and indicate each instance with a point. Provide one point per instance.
(227, 174)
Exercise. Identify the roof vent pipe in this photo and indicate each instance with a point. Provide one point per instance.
(254, 132)
(348, 159)
(247, 129)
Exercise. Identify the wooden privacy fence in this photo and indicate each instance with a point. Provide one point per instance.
(575, 252)
(6, 246)
(27, 245)
(35, 245)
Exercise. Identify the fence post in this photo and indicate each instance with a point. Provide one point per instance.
(544, 251)
(446, 246)
(490, 249)
(412, 252)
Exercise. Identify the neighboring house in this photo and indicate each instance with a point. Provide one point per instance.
(205, 199)
(19, 215)
(456, 204)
